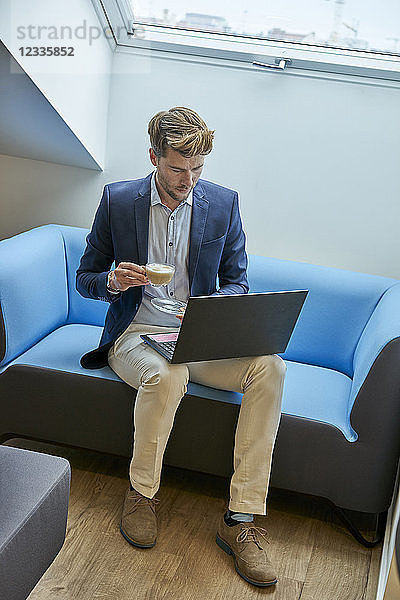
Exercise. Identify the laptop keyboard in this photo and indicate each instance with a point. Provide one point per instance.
(169, 348)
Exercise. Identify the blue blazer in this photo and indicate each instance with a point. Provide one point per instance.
(120, 233)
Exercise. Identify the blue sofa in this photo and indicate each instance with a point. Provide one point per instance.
(340, 429)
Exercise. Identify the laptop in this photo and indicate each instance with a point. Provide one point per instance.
(231, 326)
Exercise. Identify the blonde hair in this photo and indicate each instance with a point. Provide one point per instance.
(181, 129)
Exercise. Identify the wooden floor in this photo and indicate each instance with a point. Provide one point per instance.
(315, 557)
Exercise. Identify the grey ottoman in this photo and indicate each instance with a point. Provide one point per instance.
(34, 495)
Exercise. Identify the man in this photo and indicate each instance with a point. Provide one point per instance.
(172, 216)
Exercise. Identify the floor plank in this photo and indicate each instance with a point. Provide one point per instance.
(315, 557)
(373, 576)
(340, 573)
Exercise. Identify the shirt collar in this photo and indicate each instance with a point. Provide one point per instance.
(155, 196)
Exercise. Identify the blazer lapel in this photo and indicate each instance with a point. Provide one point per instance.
(199, 218)
(142, 209)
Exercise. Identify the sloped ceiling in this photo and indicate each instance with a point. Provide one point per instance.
(29, 125)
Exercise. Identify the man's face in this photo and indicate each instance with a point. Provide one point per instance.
(176, 174)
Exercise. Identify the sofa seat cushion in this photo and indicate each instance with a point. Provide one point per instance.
(310, 392)
(62, 349)
(318, 394)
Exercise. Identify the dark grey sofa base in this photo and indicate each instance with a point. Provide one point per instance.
(310, 457)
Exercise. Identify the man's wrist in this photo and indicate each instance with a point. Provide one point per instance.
(112, 283)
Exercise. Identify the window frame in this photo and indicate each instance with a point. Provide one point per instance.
(249, 50)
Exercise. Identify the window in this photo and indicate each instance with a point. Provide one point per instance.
(359, 37)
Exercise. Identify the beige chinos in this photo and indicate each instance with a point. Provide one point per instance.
(160, 387)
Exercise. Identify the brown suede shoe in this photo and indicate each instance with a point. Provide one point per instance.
(247, 543)
(139, 520)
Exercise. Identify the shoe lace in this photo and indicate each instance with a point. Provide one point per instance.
(138, 499)
(249, 534)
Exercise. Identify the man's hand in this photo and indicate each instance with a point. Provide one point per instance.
(181, 314)
(128, 275)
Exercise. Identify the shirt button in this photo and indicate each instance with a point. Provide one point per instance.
(171, 293)
(172, 218)
(170, 244)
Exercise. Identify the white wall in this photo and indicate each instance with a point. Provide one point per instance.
(315, 160)
(77, 86)
(34, 193)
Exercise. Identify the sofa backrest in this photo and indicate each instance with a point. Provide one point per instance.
(333, 318)
(38, 294)
(33, 289)
(337, 309)
(80, 309)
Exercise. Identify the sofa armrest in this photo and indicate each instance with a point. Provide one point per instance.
(33, 289)
(382, 327)
(374, 402)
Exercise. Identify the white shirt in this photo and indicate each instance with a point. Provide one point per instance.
(169, 236)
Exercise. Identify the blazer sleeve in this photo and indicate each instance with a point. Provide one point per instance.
(232, 272)
(95, 263)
